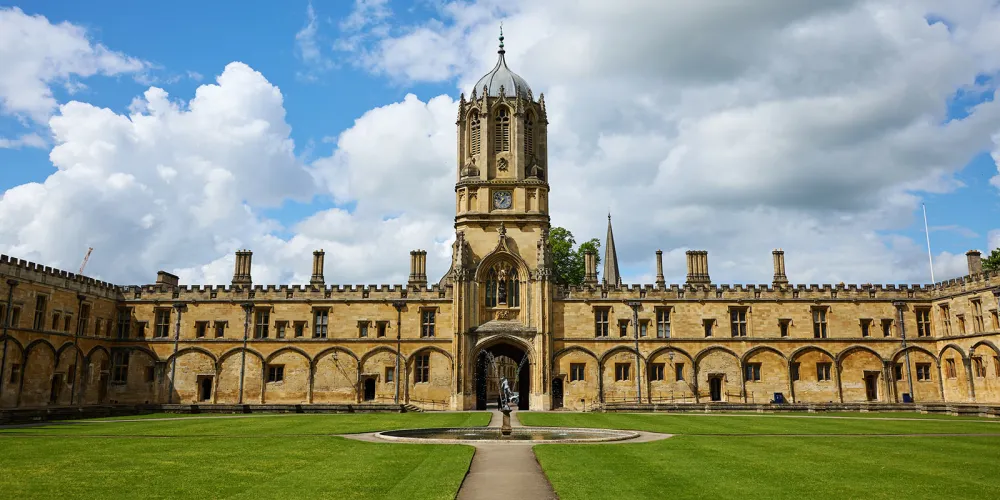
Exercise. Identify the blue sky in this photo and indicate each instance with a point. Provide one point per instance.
(188, 44)
(260, 34)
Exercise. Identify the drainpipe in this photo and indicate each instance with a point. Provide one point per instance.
(6, 324)
(638, 370)
(76, 346)
(902, 330)
(399, 305)
(173, 364)
(247, 307)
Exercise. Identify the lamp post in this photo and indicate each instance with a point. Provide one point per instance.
(8, 313)
(635, 323)
(399, 305)
(247, 307)
(900, 306)
(670, 356)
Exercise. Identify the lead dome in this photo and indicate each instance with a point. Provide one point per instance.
(502, 76)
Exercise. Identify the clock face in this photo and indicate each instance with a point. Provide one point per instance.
(502, 199)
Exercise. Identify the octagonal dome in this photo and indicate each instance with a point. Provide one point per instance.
(502, 76)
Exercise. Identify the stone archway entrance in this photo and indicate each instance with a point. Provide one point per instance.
(508, 361)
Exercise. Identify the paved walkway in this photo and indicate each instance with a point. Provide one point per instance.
(505, 471)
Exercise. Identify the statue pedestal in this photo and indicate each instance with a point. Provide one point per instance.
(505, 429)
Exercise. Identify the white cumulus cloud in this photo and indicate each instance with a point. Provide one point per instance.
(35, 53)
(169, 185)
(812, 126)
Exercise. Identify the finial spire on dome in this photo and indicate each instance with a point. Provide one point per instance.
(502, 77)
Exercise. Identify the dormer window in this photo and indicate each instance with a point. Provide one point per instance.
(501, 140)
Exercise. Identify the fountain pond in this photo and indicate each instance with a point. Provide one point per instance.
(517, 434)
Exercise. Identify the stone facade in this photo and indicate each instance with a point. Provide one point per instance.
(69, 339)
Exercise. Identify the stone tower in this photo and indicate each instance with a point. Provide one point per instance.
(500, 268)
(502, 157)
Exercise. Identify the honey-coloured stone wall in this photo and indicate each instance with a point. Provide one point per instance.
(195, 344)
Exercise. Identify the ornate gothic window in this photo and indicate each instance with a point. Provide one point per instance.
(529, 136)
(501, 139)
(503, 286)
(474, 133)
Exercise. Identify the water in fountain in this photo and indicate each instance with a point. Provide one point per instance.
(517, 434)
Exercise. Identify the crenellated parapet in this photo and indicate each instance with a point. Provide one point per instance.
(702, 291)
(224, 293)
(29, 271)
(969, 282)
(699, 286)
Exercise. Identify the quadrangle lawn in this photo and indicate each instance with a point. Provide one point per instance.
(301, 456)
(764, 456)
(277, 456)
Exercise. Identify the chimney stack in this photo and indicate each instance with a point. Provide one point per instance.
(697, 264)
(779, 267)
(241, 272)
(660, 282)
(165, 278)
(589, 268)
(975, 262)
(418, 268)
(317, 272)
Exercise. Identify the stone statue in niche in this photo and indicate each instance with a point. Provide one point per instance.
(502, 286)
(502, 164)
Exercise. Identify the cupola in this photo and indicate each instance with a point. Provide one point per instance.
(502, 76)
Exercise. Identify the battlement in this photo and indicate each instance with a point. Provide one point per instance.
(30, 271)
(165, 290)
(985, 278)
(284, 292)
(741, 291)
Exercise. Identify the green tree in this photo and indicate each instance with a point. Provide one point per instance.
(992, 261)
(567, 262)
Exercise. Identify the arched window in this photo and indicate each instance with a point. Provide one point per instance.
(503, 287)
(501, 137)
(513, 290)
(474, 133)
(491, 288)
(529, 136)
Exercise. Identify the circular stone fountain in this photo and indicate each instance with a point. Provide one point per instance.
(517, 434)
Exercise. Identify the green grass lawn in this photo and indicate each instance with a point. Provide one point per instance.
(752, 423)
(720, 457)
(280, 456)
(256, 425)
(301, 456)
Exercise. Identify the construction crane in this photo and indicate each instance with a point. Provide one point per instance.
(85, 259)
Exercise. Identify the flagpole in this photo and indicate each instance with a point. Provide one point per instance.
(930, 259)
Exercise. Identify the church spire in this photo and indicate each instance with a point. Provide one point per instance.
(611, 276)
